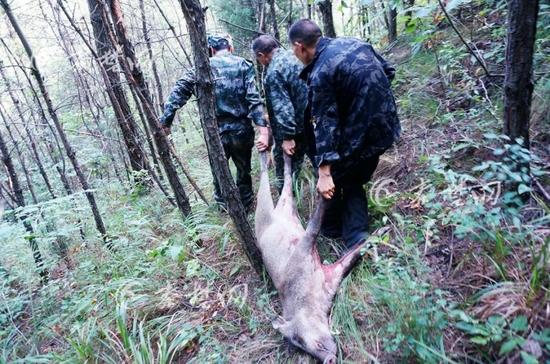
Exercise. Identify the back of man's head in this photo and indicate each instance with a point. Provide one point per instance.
(306, 32)
(264, 44)
(218, 42)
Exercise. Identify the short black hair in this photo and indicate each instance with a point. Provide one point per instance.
(218, 42)
(264, 44)
(222, 46)
(304, 31)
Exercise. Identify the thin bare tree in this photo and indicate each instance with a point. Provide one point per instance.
(518, 79)
(194, 17)
(325, 9)
(20, 201)
(35, 71)
(31, 145)
(136, 80)
(105, 54)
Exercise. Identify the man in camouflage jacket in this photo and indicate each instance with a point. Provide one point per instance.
(286, 99)
(354, 115)
(237, 104)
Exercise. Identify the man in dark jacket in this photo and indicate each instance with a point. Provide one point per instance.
(238, 104)
(354, 116)
(286, 99)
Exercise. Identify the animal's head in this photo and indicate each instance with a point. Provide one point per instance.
(311, 333)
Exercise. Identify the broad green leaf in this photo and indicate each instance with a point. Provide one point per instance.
(528, 358)
(522, 188)
(479, 340)
(519, 324)
(508, 346)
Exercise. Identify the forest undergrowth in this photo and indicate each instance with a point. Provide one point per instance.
(460, 274)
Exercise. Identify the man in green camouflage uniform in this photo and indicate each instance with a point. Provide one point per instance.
(237, 104)
(286, 99)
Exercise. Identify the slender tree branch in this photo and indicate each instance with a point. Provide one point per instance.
(470, 49)
(257, 32)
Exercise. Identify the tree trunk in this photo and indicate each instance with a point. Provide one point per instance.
(54, 150)
(518, 79)
(273, 16)
(56, 158)
(68, 148)
(325, 9)
(290, 19)
(392, 23)
(5, 194)
(118, 102)
(154, 69)
(261, 16)
(31, 144)
(136, 79)
(173, 31)
(408, 13)
(84, 91)
(152, 148)
(20, 201)
(117, 95)
(390, 19)
(20, 156)
(194, 16)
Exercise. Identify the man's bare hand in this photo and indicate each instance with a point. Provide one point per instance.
(289, 146)
(325, 184)
(262, 143)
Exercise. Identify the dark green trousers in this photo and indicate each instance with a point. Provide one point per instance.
(238, 148)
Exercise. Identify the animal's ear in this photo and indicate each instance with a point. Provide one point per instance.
(281, 325)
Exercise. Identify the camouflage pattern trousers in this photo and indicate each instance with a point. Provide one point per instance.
(238, 148)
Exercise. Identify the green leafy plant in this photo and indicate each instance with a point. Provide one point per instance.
(507, 336)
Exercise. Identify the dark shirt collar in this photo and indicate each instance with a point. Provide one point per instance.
(321, 45)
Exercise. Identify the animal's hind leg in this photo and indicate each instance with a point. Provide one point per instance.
(286, 204)
(264, 206)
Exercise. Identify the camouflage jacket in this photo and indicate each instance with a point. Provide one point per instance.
(286, 95)
(351, 104)
(237, 98)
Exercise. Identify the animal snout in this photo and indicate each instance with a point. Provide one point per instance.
(331, 359)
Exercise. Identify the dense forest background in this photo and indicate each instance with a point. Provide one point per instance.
(112, 249)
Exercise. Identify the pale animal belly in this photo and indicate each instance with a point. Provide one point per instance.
(277, 244)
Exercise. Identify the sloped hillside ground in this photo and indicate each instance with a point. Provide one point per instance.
(462, 275)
